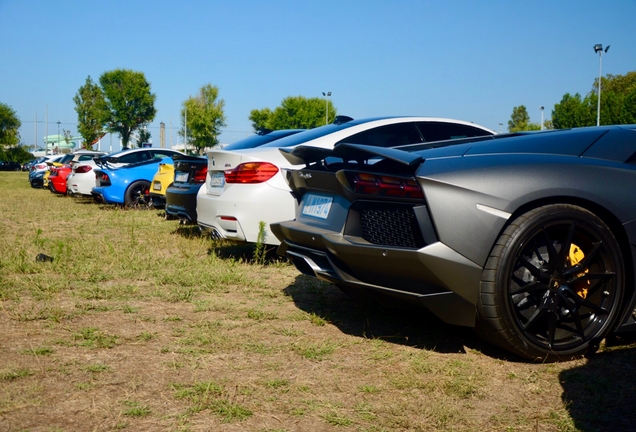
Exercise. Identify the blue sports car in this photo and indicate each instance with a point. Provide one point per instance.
(128, 185)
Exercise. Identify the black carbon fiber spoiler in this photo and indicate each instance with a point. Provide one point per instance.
(300, 155)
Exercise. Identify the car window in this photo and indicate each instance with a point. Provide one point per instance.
(439, 131)
(387, 136)
(131, 157)
(85, 157)
(161, 154)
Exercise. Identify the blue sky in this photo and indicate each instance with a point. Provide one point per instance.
(469, 60)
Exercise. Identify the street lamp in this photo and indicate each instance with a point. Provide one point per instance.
(598, 48)
(541, 108)
(58, 135)
(326, 95)
(500, 126)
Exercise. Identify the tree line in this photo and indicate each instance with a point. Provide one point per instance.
(122, 102)
(618, 106)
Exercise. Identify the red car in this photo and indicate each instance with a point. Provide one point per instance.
(57, 178)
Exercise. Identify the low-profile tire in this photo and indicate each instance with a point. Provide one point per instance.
(553, 284)
(137, 194)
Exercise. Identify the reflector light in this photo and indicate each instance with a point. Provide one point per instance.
(251, 172)
(199, 176)
(228, 218)
(370, 184)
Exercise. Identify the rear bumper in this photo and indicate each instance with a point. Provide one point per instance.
(435, 276)
(182, 202)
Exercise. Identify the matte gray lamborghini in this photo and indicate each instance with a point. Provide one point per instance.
(530, 238)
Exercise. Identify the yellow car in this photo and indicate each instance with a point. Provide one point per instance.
(160, 182)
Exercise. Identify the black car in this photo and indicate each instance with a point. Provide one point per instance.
(527, 237)
(10, 166)
(190, 173)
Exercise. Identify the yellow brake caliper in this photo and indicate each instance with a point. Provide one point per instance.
(576, 256)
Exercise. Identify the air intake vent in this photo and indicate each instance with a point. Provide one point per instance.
(391, 227)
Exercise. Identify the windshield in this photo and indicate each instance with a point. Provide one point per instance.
(310, 134)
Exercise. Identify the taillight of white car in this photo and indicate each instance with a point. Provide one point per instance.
(251, 172)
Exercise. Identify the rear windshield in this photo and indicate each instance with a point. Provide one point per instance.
(259, 140)
(310, 134)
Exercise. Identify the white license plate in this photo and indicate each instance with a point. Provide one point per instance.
(317, 206)
(217, 179)
(156, 186)
(181, 177)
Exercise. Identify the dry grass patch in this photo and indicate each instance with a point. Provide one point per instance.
(141, 324)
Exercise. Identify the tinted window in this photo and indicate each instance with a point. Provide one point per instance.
(132, 157)
(160, 154)
(309, 135)
(437, 131)
(259, 140)
(387, 136)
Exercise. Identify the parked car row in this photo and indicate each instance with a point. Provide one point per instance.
(526, 237)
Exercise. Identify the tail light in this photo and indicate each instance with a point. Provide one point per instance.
(371, 184)
(81, 169)
(251, 172)
(53, 170)
(199, 175)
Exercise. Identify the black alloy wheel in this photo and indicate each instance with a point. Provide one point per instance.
(137, 195)
(553, 284)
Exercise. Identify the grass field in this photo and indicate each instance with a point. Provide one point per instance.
(140, 324)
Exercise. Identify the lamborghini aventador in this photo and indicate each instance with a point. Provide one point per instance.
(528, 237)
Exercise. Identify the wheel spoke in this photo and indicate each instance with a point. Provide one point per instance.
(529, 287)
(562, 262)
(541, 310)
(534, 271)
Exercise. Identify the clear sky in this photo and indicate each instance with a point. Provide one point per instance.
(463, 59)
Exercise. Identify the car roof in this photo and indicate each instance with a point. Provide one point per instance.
(360, 125)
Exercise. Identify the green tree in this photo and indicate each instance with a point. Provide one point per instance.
(143, 136)
(259, 118)
(204, 117)
(128, 102)
(89, 103)
(16, 153)
(294, 112)
(617, 104)
(9, 126)
(520, 120)
(573, 111)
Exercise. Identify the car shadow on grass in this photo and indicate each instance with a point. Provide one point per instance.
(599, 395)
(360, 316)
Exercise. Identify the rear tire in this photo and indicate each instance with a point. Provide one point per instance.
(137, 194)
(553, 284)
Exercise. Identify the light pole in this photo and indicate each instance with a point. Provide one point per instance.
(500, 126)
(541, 108)
(598, 48)
(58, 135)
(326, 95)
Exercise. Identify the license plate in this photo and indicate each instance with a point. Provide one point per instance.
(217, 179)
(181, 177)
(317, 206)
(156, 186)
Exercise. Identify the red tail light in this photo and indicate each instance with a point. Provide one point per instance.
(83, 169)
(199, 175)
(370, 184)
(103, 177)
(53, 170)
(251, 172)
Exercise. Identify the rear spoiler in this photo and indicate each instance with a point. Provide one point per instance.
(306, 155)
